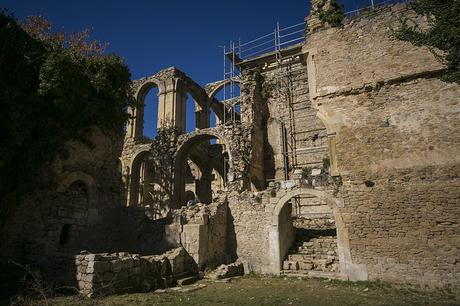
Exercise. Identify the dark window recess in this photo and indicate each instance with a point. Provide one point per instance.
(78, 189)
(65, 234)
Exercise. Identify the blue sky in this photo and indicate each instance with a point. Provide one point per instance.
(152, 35)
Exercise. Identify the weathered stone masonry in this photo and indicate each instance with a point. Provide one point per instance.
(396, 130)
(353, 128)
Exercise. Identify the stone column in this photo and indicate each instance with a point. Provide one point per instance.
(202, 117)
(172, 102)
(253, 108)
(203, 186)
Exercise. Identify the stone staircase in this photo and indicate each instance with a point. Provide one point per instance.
(314, 254)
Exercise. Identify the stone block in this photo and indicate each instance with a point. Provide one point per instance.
(226, 271)
(305, 265)
(116, 265)
(127, 263)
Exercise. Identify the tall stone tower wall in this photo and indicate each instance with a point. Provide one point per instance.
(397, 144)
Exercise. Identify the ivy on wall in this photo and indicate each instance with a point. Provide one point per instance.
(54, 88)
(329, 11)
(442, 35)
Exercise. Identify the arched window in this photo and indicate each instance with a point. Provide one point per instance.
(151, 112)
(144, 115)
(190, 113)
(78, 189)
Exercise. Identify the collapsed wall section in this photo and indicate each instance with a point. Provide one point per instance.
(115, 273)
(202, 231)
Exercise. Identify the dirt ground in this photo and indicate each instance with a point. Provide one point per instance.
(258, 290)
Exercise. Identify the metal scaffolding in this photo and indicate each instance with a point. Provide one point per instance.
(373, 4)
(272, 43)
(231, 74)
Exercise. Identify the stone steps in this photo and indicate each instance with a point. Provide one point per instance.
(301, 273)
(313, 255)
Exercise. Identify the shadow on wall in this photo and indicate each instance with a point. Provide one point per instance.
(231, 237)
(50, 228)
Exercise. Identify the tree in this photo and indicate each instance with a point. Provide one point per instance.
(329, 11)
(442, 34)
(54, 88)
(163, 150)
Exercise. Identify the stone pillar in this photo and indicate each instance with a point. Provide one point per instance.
(131, 123)
(202, 117)
(253, 108)
(203, 187)
(172, 102)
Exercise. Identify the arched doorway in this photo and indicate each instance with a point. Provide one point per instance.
(323, 253)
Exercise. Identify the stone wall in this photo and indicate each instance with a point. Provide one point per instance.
(202, 231)
(261, 226)
(396, 130)
(81, 210)
(101, 274)
(71, 213)
(248, 235)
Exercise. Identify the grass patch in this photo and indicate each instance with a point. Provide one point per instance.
(263, 290)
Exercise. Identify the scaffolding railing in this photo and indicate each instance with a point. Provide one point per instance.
(279, 38)
(283, 37)
(373, 4)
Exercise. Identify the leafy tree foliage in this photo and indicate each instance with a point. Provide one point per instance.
(163, 150)
(330, 12)
(54, 89)
(442, 34)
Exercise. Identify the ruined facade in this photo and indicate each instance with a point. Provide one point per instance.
(347, 140)
(338, 158)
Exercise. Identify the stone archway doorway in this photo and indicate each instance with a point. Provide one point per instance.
(282, 238)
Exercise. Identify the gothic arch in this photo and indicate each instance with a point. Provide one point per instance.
(198, 94)
(326, 122)
(134, 176)
(182, 152)
(212, 93)
(329, 199)
(142, 87)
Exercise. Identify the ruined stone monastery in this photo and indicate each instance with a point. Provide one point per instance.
(338, 158)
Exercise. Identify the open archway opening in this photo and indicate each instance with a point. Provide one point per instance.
(226, 102)
(200, 171)
(144, 114)
(191, 114)
(305, 233)
(139, 179)
(213, 119)
(145, 187)
(150, 116)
